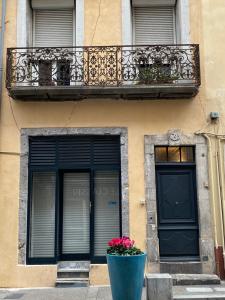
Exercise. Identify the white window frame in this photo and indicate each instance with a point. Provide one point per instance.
(25, 23)
(174, 26)
(74, 26)
(182, 28)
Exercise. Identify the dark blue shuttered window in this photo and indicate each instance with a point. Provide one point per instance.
(77, 169)
(74, 151)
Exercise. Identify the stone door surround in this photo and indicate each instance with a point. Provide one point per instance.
(206, 243)
(23, 198)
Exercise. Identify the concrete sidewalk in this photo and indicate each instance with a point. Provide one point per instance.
(90, 293)
(104, 293)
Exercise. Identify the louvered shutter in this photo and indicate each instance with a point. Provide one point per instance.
(107, 212)
(76, 218)
(74, 151)
(53, 28)
(153, 25)
(42, 225)
(43, 152)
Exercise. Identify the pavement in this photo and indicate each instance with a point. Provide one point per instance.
(89, 293)
(104, 293)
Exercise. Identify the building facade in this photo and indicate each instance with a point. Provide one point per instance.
(111, 124)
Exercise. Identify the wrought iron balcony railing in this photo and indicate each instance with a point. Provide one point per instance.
(103, 66)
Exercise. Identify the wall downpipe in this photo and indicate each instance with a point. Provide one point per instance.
(211, 184)
(222, 198)
(2, 43)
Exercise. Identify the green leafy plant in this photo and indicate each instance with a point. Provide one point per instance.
(156, 73)
(122, 246)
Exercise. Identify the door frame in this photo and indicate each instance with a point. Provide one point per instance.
(90, 256)
(176, 137)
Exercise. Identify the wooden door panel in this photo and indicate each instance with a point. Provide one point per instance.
(177, 198)
(178, 241)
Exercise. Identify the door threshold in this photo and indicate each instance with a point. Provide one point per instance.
(185, 259)
(75, 264)
(182, 267)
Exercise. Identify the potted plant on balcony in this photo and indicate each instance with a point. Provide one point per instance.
(153, 69)
(126, 265)
(156, 73)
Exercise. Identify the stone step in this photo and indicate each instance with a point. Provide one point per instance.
(83, 265)
(195, 279)
(199, 292)
(201, 297)
(72, 282)
(71, 273)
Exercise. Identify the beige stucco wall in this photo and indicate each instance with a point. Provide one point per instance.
(207, 22)
(212, 48)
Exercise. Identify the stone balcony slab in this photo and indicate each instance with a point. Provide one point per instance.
(132, 92)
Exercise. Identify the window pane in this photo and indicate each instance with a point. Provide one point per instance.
(174, 154)
(161, 154)
(76, 213)
(187, 154)
(42, 234)
(107, 218)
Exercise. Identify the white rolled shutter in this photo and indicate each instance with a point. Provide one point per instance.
(107, 211)
(42, 224)
(53, 28)
(153, 25)
(76, 213)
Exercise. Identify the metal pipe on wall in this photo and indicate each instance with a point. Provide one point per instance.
(221, 174)
(220, 194)
(2, 43)
(211, 179)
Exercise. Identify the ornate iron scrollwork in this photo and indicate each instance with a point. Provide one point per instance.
(103, 66)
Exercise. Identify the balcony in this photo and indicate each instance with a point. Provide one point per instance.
(121, 72)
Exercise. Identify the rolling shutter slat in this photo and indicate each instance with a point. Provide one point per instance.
(107, 223)
(53, 28)
(76, 221)
(154, 25)
(43, 215)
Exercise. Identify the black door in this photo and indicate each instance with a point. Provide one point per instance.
(177, 212)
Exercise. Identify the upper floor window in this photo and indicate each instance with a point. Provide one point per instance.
(154, 22)
(50, 23)
(53, 28)
(53, 23)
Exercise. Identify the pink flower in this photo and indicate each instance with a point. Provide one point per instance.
(127, 242)
(114, 242)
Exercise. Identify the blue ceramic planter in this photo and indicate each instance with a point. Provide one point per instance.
(126, 276)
